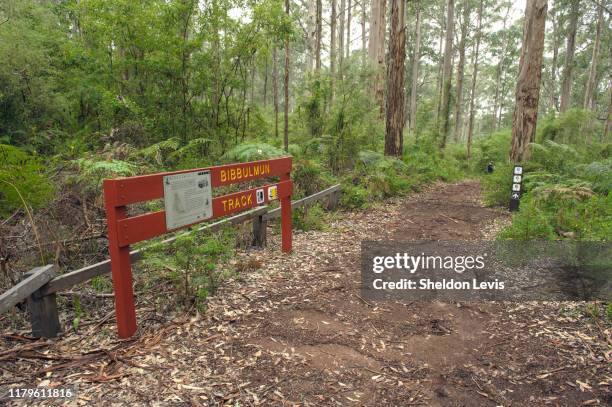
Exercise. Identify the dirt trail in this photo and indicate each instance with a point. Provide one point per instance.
(297, 332)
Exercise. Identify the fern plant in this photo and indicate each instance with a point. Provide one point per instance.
(92, 172)
(253, 152)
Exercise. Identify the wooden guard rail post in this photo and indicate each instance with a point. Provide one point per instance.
(41, 284)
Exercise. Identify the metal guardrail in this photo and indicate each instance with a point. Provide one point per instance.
(41, 284)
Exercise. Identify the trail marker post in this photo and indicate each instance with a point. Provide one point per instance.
(517, 187)
(188, 200)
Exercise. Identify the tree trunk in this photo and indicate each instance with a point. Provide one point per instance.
(286, 129)
(566, 90)
(265, 89)
(363, 33)
(415, 69)
(447, 74)
(499, 72)
(609, 118)
(349, 17)
(528, 81)
(470, 134)
(319, 35)
(394, 137)
(590, 86)
(376, 50)
(460, 72)
(332, 48)
(275, 89)
(440, 77)
(341, 38)
(554, 64)
(311, 28)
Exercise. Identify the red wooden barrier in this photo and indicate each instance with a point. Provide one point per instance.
(124, 230)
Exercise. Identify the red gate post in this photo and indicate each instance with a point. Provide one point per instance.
(124, 231)
(121, 266)
(285, 203)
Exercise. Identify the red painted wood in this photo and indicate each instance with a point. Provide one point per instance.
(147, 187)
(149, 225)
(121, 267)
(286, 219)
(123, 231)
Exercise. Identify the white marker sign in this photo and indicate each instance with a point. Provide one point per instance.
(259, 195)
(518, 170)
(516, 187)
(516, 179)
(187, 198)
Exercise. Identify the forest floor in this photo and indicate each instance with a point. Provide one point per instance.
(296, 332)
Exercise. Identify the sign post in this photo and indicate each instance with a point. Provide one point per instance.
(517, 186)
(188, 201)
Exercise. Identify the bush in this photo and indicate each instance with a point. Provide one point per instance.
(191, 263)
(92, 172)
(311, 218)
(309, 177)
(353, 196)
(22, 181)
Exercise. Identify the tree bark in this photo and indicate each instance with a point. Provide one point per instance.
(376, 49)
(470, 134)
(554, 64)
(447, 73)
(363, 33)
(590, 86)
(332, 48)
(609, 117)
(349, 16)
(341, 38)
(566, 90)
(528, 81)
(415, 69)
(311, 28)
(286, 129)
(499, 72)
(318, 35)
(275, 89)
(460, 72)
(394, 137)
(265, 89)
(440, 77)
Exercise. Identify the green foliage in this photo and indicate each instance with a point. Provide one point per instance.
(566, 183)
(101, 284)
(425, 163)
(310, 218)
(192, 263)
(92, 172)
(309, 177)
(599, 174)
(253, 152)
(22, 180)
(493, 148)
(576, 126)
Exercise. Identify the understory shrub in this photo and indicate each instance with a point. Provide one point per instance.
(22, 181)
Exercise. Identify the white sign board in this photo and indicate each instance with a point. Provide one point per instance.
(518, 170)
(516, 179)
(187, 198)
(516, 187)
